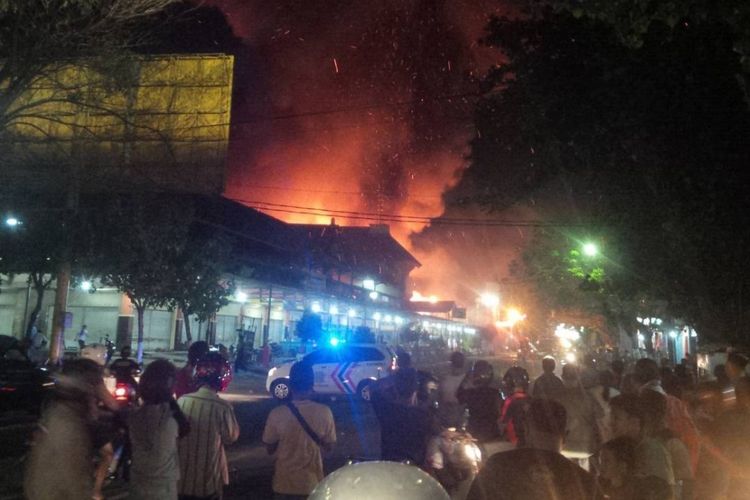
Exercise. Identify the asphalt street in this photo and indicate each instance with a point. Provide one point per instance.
(250, 466)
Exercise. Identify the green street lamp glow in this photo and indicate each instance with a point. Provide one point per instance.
(590, 249)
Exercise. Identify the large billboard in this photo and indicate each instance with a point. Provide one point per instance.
(155, 122)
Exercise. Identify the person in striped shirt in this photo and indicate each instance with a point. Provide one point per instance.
(203, 463)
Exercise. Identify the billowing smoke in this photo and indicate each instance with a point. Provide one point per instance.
(364, 107)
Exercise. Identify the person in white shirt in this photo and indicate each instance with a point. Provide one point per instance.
(203, 462)
(296, 433)
(82, 335)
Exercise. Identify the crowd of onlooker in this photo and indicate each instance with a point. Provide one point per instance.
(641, 431)
(170, 440)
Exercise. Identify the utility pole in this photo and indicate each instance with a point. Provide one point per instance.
(267, 326)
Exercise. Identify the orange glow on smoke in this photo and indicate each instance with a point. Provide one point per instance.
(418, 297)
(352, 144)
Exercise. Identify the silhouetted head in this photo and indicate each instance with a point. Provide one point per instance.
(546, 424)
(156, 383)
(736, 364)
(403, 360)
(301, 378)
(482, 373)
(548, 364)
(197, 351)
(646, 370)
(458, 360)
(406, 383)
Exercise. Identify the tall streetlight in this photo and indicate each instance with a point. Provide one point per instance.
(590, 249)
(514, 316)
(491, 301)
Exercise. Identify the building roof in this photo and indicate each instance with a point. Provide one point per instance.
(366, 248)
(441, 306)
(251, 226)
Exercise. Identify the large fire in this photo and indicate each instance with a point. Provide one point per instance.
(362, 111)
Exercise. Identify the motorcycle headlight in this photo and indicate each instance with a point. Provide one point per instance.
(473, 452)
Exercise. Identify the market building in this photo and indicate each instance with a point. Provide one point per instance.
(350, 277)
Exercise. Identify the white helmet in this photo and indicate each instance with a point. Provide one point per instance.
(379, 481)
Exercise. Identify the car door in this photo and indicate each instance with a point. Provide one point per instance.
(367, 363)
(324, 363)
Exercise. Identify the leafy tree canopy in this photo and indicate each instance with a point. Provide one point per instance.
(642, 143)
(632, 20)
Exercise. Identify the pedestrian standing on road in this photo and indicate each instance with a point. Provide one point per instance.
(203, 462)
(450, 409)
(184, 381)
(630, 419)
(405, 427)
(583, 434)
(548, 385)
(678, 419)
(654, 410)
(296, 433)
(515, 406)
(537, 470)
(617, 467)
(482, 401)
(735, 367)
(154, 430)
(38, 346)
(61, 463)
(82, 335)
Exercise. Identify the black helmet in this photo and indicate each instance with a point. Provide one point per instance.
(482, 372)
(516, 378)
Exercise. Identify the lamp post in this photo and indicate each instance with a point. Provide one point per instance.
(491, 301)
(12, 221)
(590, 249)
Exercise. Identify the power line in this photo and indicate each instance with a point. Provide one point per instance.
(377, 217)
(361, 107)
(348, 193)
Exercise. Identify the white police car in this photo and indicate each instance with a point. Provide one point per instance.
(343, 369)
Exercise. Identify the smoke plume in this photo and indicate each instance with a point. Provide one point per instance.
(365, 107)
